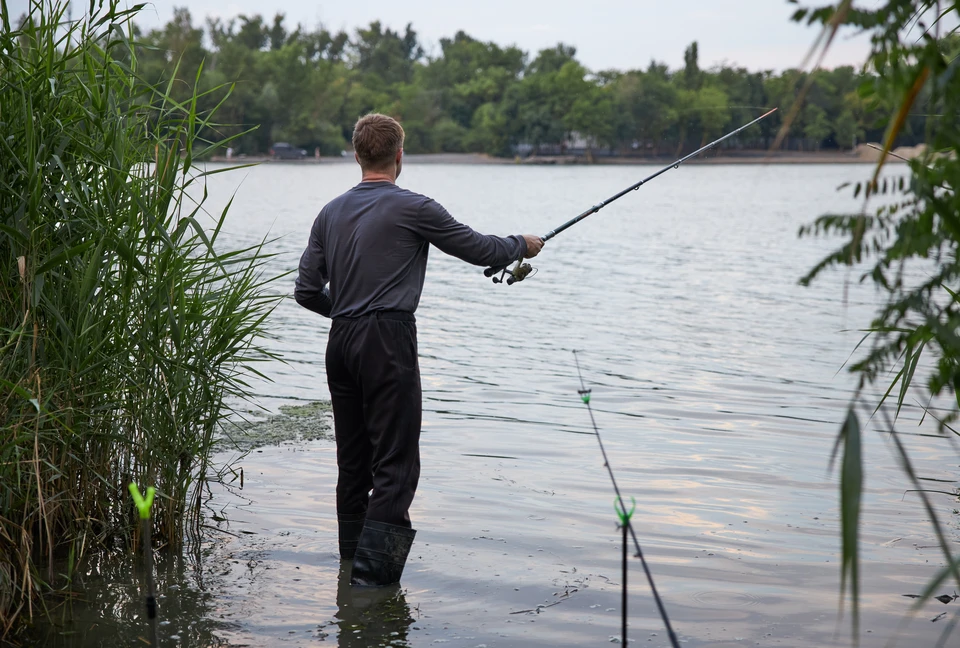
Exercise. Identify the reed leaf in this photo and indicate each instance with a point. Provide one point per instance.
(126, 333)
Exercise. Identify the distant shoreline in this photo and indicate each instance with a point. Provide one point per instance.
(862, 155)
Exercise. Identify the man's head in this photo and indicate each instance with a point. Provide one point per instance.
(378, 143)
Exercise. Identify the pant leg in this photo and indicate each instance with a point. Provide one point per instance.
(390, 381)
(354, 450)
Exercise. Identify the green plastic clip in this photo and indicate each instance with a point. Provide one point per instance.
(584, 395)
(624, 515)
(143, 504)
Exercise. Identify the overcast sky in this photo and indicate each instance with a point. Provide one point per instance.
(608, 34)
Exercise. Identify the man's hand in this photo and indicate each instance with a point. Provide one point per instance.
(534, 245)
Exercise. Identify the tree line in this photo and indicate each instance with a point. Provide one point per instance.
(308, 87)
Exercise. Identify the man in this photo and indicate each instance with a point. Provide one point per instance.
(364, 267)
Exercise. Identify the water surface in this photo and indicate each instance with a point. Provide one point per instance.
(717, 385)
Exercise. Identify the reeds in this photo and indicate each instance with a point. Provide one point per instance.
(125, 329)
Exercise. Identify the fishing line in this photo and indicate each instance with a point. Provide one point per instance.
(624, 516)
(684, 111)
(522, 270)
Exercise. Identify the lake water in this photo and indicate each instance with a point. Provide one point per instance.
(717, 386)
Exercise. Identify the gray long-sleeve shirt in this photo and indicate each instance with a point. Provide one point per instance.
(370, 245)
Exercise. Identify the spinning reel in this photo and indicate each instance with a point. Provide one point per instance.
(518, 272)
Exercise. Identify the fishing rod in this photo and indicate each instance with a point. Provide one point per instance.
(521, 270)
(626, 525)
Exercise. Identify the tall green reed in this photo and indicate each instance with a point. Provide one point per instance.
(126, 329)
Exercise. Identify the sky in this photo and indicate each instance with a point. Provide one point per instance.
(608, 34)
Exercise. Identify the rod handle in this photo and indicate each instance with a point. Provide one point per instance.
(492, 270)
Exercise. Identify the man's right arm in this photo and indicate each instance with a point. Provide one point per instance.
(310, 289)
(441, 229)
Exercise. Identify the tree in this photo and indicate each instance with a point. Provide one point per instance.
(552, 59)
(277, 34)
(847, 130)
(546, 94)
(817, 127)
(746, 92)
(647, 106)
(253, 33)
(489, 130)
(710, 106)
(386, 54)
(469, 73)
(175, 51)
(591, 115)
(692, 77)
(310, 85)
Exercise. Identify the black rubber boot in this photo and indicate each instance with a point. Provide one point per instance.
(381, 554)
(350, 528)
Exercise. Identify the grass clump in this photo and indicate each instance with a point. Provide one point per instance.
(125, 327)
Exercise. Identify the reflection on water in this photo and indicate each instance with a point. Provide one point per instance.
(717, 384)
(370, 616)
(107, 606)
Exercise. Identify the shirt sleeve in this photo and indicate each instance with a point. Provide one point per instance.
(441, 229)
(310, 287)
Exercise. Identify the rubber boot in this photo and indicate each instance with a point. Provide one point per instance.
(350, 527)
(381, 554)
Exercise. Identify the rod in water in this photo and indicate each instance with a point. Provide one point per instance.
(144, 504)
(521, 270)
(625, 517)
(624, 525)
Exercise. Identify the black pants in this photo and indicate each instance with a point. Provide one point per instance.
(374, 378)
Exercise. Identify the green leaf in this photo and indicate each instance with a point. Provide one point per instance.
(851, 488)
(63, 255)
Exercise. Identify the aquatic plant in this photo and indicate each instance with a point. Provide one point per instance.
(126, 327)
(914, 54)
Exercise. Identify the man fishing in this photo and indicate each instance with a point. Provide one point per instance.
(364, 267)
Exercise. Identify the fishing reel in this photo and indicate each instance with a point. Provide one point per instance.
(518, 272)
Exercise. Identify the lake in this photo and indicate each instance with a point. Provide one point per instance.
(717, 383)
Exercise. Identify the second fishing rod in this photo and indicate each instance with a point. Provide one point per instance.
(521, 271)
